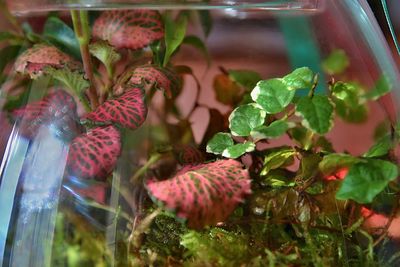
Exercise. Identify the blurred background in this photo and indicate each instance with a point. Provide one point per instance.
(394, 10)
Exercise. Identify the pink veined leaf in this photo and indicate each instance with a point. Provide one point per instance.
(204, 194)
(133, 29)
(128, 110)
(35, 59)
(58, 109)
(188, 154)
(94, 154)
(160, 78)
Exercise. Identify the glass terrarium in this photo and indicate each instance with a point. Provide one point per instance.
(197, 133)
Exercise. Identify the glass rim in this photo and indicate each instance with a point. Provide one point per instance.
(23, 7)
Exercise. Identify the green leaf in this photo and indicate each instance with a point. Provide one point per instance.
(273, 95)
(237, 150)
(174, 34)
(349, 103)
(219, 142)
(206, 21)
(277, 158)
(246, 118)
(381, 88)
(317, 113)
(380, 148)
(301, 78)
(245, 78)
(106, 54)
(11, 38)
(336, 63)
(197, 43)
(333, 162)
(7, 54)
(367, 179)
(74, 80)
(58, 33)
(274, 130)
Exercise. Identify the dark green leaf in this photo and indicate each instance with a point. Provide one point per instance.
(58, 33)
(7, 54)
(336, 63)
(11, 38)
(245, 78)
(273, 95)
(333, 162)
(380, 148)
(277, 158)
(274, 130)
(367, 179)
(381, 88)
(301, 78)
(174, 34)
(246, 118)
(206, 21)
(197, 43)
(219, 143)
(238, 150)
(317, 113)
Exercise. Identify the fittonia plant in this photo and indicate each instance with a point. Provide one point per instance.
(236, 199)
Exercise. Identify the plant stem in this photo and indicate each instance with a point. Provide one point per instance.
(82, 32)
(154, 158)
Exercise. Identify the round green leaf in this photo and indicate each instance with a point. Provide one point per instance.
(274, 130)
(317, 113)
(246, 118)
(219, 143)
(301, 78)
(333, 162)
(367, 179)
(336, 62)
(273, 95)
(237, 150)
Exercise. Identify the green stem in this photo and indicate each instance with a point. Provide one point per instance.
(153, 159)
(82, 32)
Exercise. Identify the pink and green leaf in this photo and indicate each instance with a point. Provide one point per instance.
(34, 60)
(128, 110)
(204, 194)
(94, 154)
(57, 108)
(188, 154)
(132, 29)
(160, 78)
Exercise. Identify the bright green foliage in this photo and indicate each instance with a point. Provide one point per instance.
(246, 78)
(274, 130)
(219, 143)
(349, 103)
(106, 54)
(238, 150)
(73, 80)
(336, 63)
(246, 118)
(367, 179)
(174, 34)
(273, 95)
(277, 158)
(301, 78)
(381, 147)
(217, 245)
(317, 113)
(381, 88)
(333, 162)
